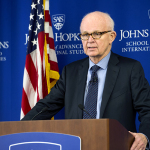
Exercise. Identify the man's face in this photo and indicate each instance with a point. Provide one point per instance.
(96, 48)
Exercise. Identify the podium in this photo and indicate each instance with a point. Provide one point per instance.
(95, 134)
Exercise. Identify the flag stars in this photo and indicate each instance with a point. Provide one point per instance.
(38, 25)
(35, 31)
(38, 1)
(41, 16)
(33, 5)
(34, 42)
(30, 27)
(31, 17)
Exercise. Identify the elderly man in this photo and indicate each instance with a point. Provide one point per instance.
(108, 85)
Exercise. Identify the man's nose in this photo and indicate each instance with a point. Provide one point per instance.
(90, 39)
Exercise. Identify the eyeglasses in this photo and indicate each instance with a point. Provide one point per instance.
(95, 35)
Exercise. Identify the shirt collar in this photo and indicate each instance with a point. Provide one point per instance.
(102, 63)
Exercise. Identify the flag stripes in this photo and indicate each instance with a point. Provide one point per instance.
(41, 68)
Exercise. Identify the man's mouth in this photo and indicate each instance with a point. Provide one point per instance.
(92, 47)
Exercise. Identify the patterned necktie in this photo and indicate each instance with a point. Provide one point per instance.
(91, 99)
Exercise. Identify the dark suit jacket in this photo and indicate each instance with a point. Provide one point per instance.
(126, 92)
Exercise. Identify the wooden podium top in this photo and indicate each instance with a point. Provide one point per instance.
(102, 134)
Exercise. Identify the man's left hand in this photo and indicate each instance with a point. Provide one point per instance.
(140, 141)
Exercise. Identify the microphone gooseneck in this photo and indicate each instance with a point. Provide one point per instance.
(44, 109)
(82, 108)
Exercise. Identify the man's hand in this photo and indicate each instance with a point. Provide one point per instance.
(140, 141)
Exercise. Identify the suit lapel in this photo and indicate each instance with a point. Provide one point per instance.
(111, 77)
(82, 77)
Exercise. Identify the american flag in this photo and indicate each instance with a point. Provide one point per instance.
(41, 67)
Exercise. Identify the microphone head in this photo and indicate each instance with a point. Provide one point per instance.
(44, 109)
(81, 106)
(95, 79)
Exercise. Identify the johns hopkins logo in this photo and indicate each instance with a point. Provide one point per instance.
(58, 21)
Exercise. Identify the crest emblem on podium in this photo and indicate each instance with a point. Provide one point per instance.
(40, 141)
(58, 21)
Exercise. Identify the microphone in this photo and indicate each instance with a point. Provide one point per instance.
(82, 108)
(44, 109)
(94, 80)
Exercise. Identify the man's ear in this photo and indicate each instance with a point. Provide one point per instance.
(112, 36)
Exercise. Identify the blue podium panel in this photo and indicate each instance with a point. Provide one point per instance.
(40, 141)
